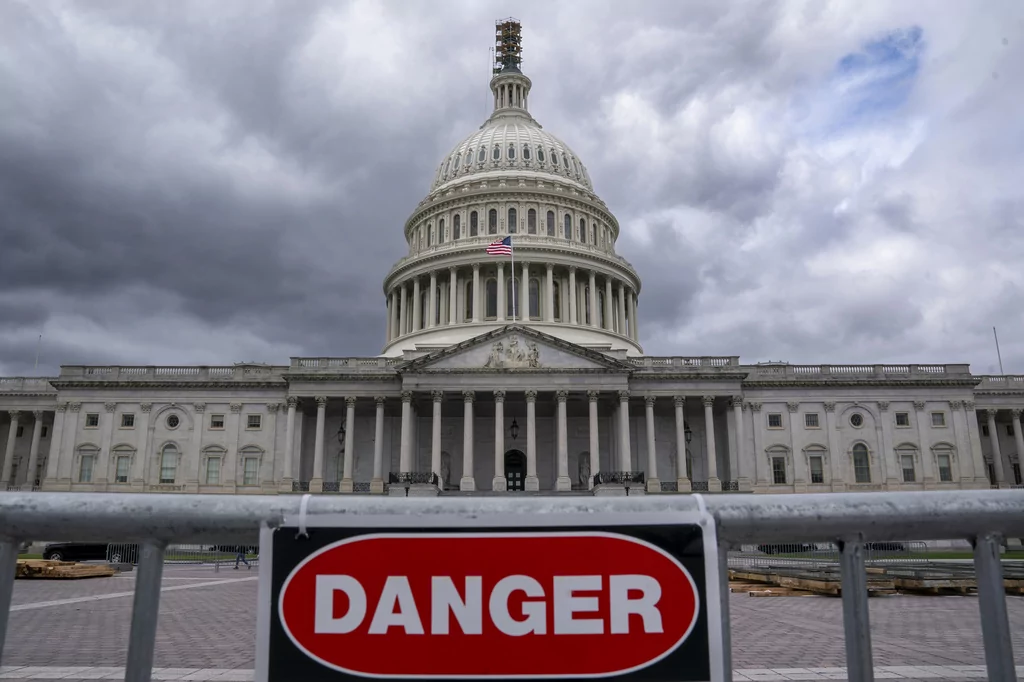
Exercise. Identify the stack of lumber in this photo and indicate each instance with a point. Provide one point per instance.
(824, 580)
(40, 568)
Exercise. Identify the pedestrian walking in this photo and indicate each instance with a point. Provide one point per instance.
(240, 556)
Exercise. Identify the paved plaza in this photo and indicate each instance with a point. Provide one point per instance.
(79, 630)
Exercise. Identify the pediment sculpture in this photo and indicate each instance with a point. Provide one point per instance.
(514, 356)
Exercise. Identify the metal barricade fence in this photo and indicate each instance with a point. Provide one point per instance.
(819, 554)
(848, 520)
(203, 555)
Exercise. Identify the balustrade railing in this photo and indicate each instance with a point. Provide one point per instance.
(300, 486)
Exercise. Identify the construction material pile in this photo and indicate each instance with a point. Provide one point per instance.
(67, 570)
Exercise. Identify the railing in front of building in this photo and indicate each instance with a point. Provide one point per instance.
(797, 372)
(997, 382)
(27, 385)
(182, 373)
(855, 523)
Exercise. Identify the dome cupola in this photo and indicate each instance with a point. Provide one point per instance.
(511, 178)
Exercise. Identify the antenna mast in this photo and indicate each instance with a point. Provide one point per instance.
(998, 354)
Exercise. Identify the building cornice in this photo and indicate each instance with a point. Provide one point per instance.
(170, 384)
(959, 382)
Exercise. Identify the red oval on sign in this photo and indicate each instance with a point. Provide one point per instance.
(560, 604)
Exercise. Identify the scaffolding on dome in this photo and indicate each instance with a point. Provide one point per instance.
(508, 44)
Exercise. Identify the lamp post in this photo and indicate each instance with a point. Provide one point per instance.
(513, 430)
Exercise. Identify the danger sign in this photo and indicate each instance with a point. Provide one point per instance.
(625, 602)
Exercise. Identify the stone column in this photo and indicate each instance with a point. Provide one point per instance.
(631, 304)
(974, 438)
(287, 475)
(405, 446)
(502, 293)
(595, 459)
(435, 435)
(993, 437)
(563, 482)
(453, 290)
(476, 292)
(377, 482)
(499, 483)
(924, 442)
(714, 484)
(799, 463)
(432, 302)
(9, 451)
(609, 324)
(524, 294)
(417, 309)
(887, 472)
(622, 310)
(395, 331)
(234, 426)
(572, 295)
(100, 476)
(468, 482)
(346, 485)
(682, 480)
(192, 473)
(403, 315)
(66, 458)
(653, 484)
(592, 299)
(532, 483)
(137, 475)
(742, 470)
(761, 465)
(625, 456)
(55, 441)
(835, 457)
(316, 483)
(1018, 437)
(549, 296)
(388, 301)
(33, 453)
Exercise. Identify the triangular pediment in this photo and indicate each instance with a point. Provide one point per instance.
(514, 348)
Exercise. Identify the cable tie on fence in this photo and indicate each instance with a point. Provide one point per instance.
(702, 509)
(303, 507)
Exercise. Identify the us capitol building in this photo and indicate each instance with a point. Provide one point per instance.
(502, 374)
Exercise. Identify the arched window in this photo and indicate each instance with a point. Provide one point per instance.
(447, 165)
(492, 221)
(513, 221)
(457, 227)
(583, 230)
(534, 298)
(600, 309)
(473, 224)
(554, 158)
(551, 223)
(511, 298)
(482, 156)
(565, 161)
(491, 311)
(496, 153)
(458, 160)
(511, 152)
(469, 157)
(526, 152)
(168, 463)
(430, 234)
(556, 302)
(531, 221)
(861, 464)
(467, 306)
(586, 304)
(440, 231)
(568, 226)
(423, 238)
(540, 154)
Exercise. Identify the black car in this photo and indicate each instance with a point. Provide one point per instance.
(91, 551)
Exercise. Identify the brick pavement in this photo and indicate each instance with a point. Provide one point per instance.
(213, 627)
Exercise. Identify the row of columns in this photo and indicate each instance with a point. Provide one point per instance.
(993, 434)
(619, 311)
(467, 481)
(33, 456)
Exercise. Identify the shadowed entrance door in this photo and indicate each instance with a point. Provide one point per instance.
(515, 470)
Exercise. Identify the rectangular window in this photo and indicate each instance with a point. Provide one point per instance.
(1016, 474)
(938, 418)
(903, 419)
(251, 471)
(811, 420)
(774, 420)
(991, 474)
(817, 470)
(216, 421)
(253, 421)
(168, 466)
(945, 469)
(779, 470)
(127, 421)
(92, 420)
(213, 471)
(85, 469)
(907, 462)
(122, 469)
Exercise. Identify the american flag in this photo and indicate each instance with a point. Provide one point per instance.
(501, 247)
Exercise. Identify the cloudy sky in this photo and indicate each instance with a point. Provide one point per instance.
(219, 181)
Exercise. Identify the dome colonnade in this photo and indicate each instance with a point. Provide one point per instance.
(511, 177)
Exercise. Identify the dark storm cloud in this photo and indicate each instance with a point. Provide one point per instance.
(197, 182)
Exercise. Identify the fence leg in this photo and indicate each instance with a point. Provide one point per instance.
(859, 664)
(142, 636)
(995, 626)
(8, 565)
(723, 588)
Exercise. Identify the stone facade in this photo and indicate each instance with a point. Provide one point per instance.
(506, 374)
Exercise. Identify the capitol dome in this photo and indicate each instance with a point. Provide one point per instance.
(560, 274)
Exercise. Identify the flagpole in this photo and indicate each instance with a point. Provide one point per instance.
(512, 254)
